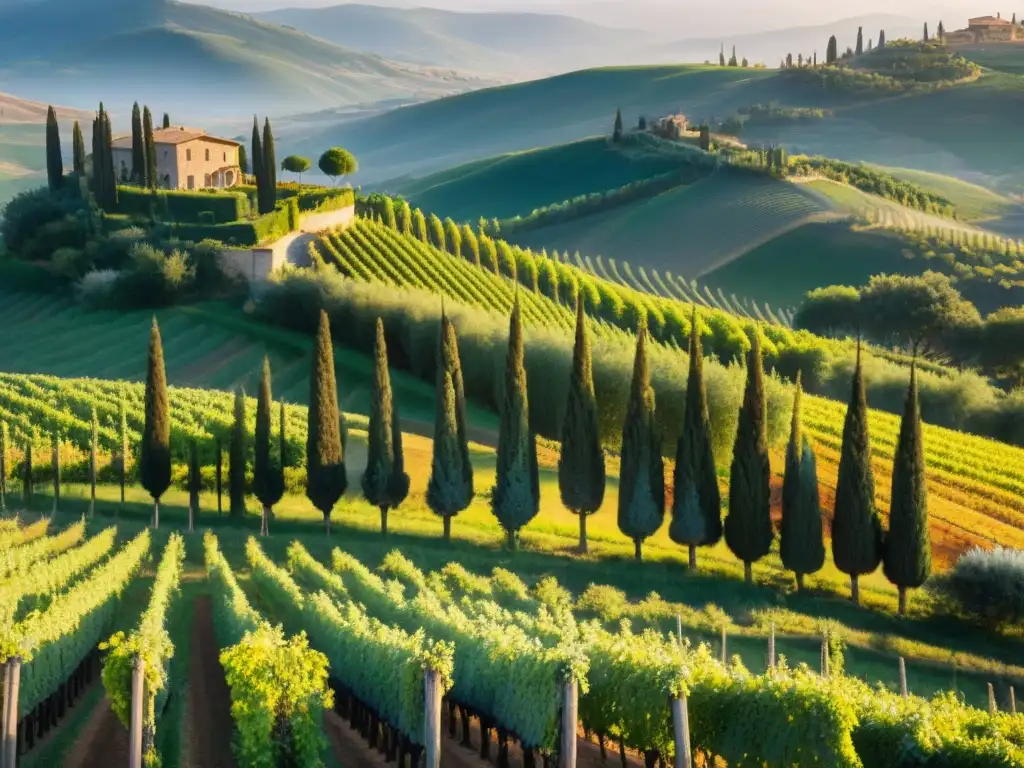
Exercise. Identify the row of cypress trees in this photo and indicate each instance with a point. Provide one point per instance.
(143, 171)
(264, 166)
(104, 182)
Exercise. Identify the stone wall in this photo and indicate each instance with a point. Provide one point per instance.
(255, 264)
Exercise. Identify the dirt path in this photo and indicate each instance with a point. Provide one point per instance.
(103, 741)
(209, 726)
(349, 747)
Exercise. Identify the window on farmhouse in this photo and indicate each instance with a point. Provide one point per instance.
(207, 155)
(188, 155)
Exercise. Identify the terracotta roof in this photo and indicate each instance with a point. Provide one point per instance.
(173, 136)
(987, 21)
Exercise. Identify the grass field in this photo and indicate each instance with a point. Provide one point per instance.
(972, 202)
(516, 183)
(691, 230)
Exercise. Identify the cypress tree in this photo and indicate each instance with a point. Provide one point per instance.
(908, 550)
(55, 465)
(195, 483)
(26, 487)
(219, 476)
(78, 150)
(385, 483)
(243, 159)
(122, 458)
(581, 469)
(617, 129)
(94, 439)
(155, 458)
(269, 199)
(54, 160)
(942, 31)
(449, 363)
(3, 467)
(236, 459)
(860, 41)
(800, 542)
(257, 164)
(149, 149)
(926, 31)
(109, 179)
(642, 472)
(748, 526)
(268, 474)
(138, 148)
(516, 497)
(167, 120)
(448, 491)
(881, 39)
(856, 527)
(832, 51)
(697, 503)
(326, 480)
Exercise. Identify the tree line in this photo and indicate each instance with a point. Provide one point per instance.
(924, 315)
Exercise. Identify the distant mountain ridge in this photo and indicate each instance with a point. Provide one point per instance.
(524, 43)
(192, 58)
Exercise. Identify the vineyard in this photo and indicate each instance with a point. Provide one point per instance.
(442, 665)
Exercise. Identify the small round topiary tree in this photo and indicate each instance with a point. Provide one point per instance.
(987, 586)
(337, 162)
(296, 164)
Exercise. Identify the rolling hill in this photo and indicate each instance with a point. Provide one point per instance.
(191, 59)
(519, 44)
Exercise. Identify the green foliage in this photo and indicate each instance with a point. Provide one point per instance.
(267, 197)
(515, 499)
(54, 161)
(641, 476)
(104, 182)
(151, 179)
(326, 480)
(697, 504)
(987, 586)
(801, 544)
(908, 546)
(237, 451)
(268, 470)
(78, 151)
(337, 162)
(748, 526)
(155, 457)
(856, 526)
(296, 164)
(581, 469)
(138, 170)
(385, 483)
(54, 641)
(183, 207)
(151, 643)
(282, 219)
(258, 165)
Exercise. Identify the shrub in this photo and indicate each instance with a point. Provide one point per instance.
(324, 199)
(96, 287)
(986, 586)
(36, 223)
(184, 207)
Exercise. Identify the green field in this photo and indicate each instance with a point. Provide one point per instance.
(972, 202)
(204, 346)
(999, 57)
(516, 183)
(691, 230)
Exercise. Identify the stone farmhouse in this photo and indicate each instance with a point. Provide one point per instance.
(984, 29)
(186, 158)
(671, 126)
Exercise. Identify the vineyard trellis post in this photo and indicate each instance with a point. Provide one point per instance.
(771, 649)
(432, 717)
(681, 727)
(12, 685)
(904, 692)
(724, 656)
(570, 717)
(679, 628)
(1013, 701)
(135, 734)
(991, 699)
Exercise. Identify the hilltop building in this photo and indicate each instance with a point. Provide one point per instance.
(987, 29)
(671, 126)
(186, 158)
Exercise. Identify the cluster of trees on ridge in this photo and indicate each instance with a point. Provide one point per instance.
(857, 541)
(926, 315)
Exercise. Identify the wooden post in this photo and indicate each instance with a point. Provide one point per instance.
(432, 717)
(991, 699)
(771, 649)
(681, 727)
(725, 658)
(12, 685)
(570, 716)
(135, 733)
(904, 692)
(679, 628)
(1013, 701)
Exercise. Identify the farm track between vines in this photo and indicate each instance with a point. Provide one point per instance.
(103, 741)
(209, 700)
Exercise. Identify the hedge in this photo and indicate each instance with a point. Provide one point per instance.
(184, 207)
(284, 219)
(310, 197)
